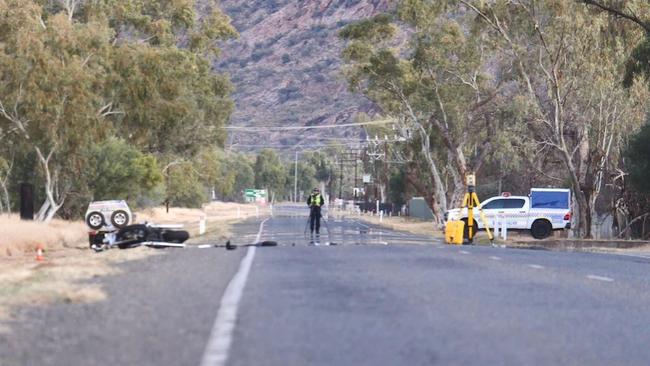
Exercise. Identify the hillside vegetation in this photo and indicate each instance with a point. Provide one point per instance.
(286, 65)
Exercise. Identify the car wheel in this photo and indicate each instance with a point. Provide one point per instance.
(120, 219)
(466, 228)
(95, 220)
(541, 229)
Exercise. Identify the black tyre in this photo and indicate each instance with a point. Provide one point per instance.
(541, 229)
(176, 236)
(466, 228)
(95, 220)
(120, 219)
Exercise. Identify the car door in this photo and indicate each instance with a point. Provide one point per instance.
(516, 212)
(492, 209)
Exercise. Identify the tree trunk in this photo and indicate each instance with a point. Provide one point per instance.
(439, 190)
(40, 215)
(583, 216)
(49, 185)
(429, 198)
(5, 204)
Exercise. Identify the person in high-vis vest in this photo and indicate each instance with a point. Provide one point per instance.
(315, 201)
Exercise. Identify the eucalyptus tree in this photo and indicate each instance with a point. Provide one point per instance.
(438, 85)
(566, 63)
(636, 12)
(270, 174)
(73, 72)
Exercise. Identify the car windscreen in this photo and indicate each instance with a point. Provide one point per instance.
(541, 199)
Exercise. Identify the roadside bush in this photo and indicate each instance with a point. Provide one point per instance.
(117, 170)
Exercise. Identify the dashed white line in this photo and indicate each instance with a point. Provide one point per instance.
(536, 266)
(494, 257)
(600, 278)
(203, 246)
(218, 347)
(360, 224)
(463, 252)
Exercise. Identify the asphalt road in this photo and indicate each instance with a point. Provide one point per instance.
(356, 295)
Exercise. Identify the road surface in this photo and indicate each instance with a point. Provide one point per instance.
(357, 295)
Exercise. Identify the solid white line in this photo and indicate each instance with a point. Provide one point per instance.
(536, 266)
(600, 278)
(203, 246)
(494, 257)
(216, 351)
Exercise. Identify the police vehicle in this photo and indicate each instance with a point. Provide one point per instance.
(541, 212)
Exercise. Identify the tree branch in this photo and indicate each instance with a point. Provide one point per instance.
(618, 13)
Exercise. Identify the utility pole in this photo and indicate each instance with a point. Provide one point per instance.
(346, 159)
(356, 160)
(295, 179)
(341, 180)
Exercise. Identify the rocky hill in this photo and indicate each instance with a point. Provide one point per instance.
(286, 66)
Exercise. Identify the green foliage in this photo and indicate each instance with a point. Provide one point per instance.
(306, 177)
(140, 70)
(638, 159)
(117, 170)
(638, 65)
(185, 187)
(239, 171)
(397, 187)
(269, 172)
(375, 29)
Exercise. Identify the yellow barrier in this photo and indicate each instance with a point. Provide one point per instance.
(454, 232)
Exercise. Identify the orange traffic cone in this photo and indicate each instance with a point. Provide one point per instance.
(39, 253)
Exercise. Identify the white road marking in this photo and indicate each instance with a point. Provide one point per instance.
(494, 257)
(536, 266)
(600, 278)
(203, 246)
(463, 252)
(359, 223)
(216, 351)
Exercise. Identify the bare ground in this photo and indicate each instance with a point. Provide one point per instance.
(60, 278)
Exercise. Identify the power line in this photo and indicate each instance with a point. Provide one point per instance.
(289, 128)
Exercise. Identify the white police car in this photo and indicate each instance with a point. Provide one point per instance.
(541, 212)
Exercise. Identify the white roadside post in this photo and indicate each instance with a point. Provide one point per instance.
(504, 229)
(202, 225)
(238, 212)
(257, 211)
(497, 226)
(381, 216)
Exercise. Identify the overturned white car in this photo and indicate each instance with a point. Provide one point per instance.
(110, 224)
(108, 215)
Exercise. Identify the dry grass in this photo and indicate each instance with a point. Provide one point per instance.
(69, 262)
(408, 224)
(215, 213)
(19, 238)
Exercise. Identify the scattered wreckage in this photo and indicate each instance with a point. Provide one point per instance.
(109, 222)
